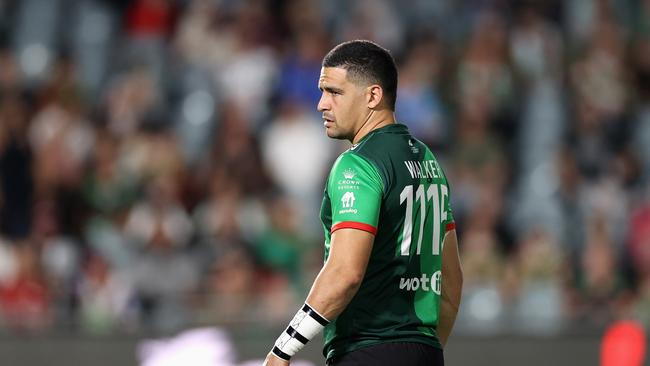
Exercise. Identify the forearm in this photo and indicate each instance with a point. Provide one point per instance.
(452, 287)
(334, 287)
(332, 291)
(447, 317)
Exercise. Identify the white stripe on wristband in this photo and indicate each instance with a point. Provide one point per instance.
(303, 327)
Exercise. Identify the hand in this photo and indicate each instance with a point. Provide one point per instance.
(273, 360)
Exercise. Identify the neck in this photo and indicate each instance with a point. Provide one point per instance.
(374, 120)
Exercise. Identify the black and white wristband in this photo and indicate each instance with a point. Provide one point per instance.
(303, 327)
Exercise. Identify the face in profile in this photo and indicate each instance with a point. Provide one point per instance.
(343, 103)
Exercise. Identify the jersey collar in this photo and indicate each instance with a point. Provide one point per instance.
(391, 128)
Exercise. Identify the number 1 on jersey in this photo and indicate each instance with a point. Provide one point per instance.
(439, 215)
(407, 194)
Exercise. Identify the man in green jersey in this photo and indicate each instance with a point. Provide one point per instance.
(390, 287)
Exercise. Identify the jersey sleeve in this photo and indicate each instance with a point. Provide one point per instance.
(355, 189)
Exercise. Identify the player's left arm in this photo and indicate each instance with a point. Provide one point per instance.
(452, 286)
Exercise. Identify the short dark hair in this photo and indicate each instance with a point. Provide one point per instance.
(366, 62)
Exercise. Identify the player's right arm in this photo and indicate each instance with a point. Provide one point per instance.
(355, 190)
(452, 284)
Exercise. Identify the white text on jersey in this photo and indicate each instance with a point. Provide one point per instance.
(425, 283)
(423, 169)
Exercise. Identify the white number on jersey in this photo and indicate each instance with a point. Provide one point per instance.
(437, 197)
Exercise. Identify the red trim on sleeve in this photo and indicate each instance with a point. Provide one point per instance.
(354, 225)
(450, 226)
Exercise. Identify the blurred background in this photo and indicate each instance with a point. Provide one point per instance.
(162, 164)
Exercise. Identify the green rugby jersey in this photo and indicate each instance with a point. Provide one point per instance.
(391, 185)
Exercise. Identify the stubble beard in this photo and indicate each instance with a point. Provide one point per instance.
(337, 135)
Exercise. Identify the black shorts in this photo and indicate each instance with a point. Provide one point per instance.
(392, 354)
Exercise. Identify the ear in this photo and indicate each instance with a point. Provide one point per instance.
(374, 96)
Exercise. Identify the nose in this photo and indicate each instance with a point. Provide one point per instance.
(323, 104)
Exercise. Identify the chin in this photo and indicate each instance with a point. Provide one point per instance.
(334, 135)
(335, 132)
(331, 133)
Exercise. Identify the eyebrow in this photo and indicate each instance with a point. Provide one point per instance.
(330, 89)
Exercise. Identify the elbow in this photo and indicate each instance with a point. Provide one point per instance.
(353, 280)
(452, 287)
(343, 277)
(349, 280)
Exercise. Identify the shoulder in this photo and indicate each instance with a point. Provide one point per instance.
(381, 150)
(382, 145)
(354, 167)
(351, 158)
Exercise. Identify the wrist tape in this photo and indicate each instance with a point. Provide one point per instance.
(302, 328)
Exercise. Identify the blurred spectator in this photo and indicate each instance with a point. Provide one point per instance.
(16, 163)
(8, 262)
(149, 18)
(62, 140)
(419, 105)
(148, 24)
(477, 160)
(376, 20)
(641, 133)
(230, 288)
(535, 45)
(571, 194)
(539, 306)
(164, 275)
(300, 69)
(160, 219)
(9, 74)
(639, 252)
(25, 299)
(484, 76)
(203, 37)
(247, 76)
(483, 264)
(599, 283)
(236, 152)
(107, 187)
(60, 258)
(280, 247)
(225, 220)
(104, 296)
(130, 100)
(299, 175)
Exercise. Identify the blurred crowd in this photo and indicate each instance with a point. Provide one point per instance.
(162, 161)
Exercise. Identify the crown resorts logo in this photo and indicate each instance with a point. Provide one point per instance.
(348, 173)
